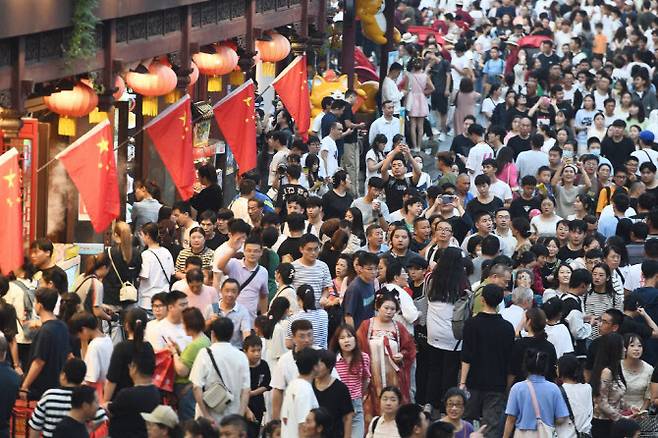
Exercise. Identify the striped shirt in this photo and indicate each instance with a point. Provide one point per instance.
(353, 381)
(597, 303)
(206, 258)
(319, 319)
(317, 276)
(54, 405)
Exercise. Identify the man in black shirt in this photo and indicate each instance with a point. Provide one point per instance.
(336, 201)
(293, 172)
(547, 56)
(521, 142)
(290, 246)
(574, 247)
(350, 158)
(83, 408)
(396, 181)
(50, 347)
(617, 147)
(521, 206)
(485, 356)
(211, 197)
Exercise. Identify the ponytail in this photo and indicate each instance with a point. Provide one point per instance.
(278, 310)
(135, 321)
(307, 295)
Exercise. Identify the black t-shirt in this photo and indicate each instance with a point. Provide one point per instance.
(416, 246)
(461, 145)
(290, 246)
(117, 372)
(617, 152)
(288, 190)
(518, 145)
(260, 376)
(125, 410)
(568, 255)
(70, 428)
(394, 190)
(348, 115)
(210, 198)
(517, 368)
(52, 345)
(337, 401)
(521, 207)
(216, 240)
(547, 61)
(335, 206)
(546, 118)
(474, 206)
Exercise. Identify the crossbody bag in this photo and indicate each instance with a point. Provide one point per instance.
(127, 291)
(571, 416)
(217, 396)
(163, 269)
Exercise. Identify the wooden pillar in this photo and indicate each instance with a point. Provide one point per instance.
(349, 43)
(17, 75)
(305, 18)
(185, 50)
(109, 53)
(322, 17)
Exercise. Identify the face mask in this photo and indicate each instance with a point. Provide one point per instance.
(595, 152)
(567, 154)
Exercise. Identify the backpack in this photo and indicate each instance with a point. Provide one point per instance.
(28, 298)
(461, 312)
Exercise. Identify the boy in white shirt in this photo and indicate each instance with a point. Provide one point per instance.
(299, 397)
(478, 153)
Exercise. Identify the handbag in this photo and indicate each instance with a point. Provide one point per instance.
(217, 396)
(164, 373)
(571, 416)
(127, 291)
(543, 429)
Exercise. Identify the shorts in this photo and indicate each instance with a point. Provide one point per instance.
(439, 103)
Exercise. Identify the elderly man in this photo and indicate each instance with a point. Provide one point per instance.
(521, 301)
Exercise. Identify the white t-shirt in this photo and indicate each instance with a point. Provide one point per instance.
(329, 167)
(545, 227)
(644, 155)
(277, 159)
(461, 62)
(513, 314)
(97, 358)
(634, 277)
(152, 276)
(439, 326)
(298, 401)
(559, 336)
(165, 329)
(500, 189)
(316, 125)
(370, 155)
(476, 156)
(580, 400)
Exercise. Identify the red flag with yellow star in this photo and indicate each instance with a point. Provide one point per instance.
(11, 219)
(236, 118)
(171, 134)
(90, 163)
(292, 87)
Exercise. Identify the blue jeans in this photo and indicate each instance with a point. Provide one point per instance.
(358, 422)
(186, 402)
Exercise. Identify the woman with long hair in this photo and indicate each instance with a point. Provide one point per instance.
(507, 170)
(582, 206)
(465, 101)
(545, 224)
(420, 85)
(391, 349)
(551, 263)
(583, 120)
(333, 248)
(601, 296)
(89, 286)
(311, 178)
(284, 276)
(489, 104)
(353, 368)
(565, 187)
(637, 373)
(615, 255)
(318, 317)
(167, 236)
(354, 216)
(345, 273)
(636, 115)
(521, 232)
(446, 284)
(552, 408)
(69, 306)
(276, 330)
(537, 339)
(118, 377)
(608, 384)
(375, 157)
(125, 264)
(561, 282)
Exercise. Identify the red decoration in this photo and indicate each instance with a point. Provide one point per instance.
(274, 50)
(90, 163)
(11, 220)
(236, 118)
(292, 87)
(159, 81)
(120, 85)
(78, 102)
(215, 65)
(171, 133)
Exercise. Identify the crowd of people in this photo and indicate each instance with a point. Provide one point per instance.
(348, 292)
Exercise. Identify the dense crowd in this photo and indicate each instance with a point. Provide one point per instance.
(348, 291)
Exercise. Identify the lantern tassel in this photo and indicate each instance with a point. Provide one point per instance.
(268, 69)
(236, 78)
(173, 96)
(215, 83)
(150, 106)
(66, 126)
(97, 116)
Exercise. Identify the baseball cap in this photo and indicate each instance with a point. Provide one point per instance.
(647, 136)
(162, 414)
(417, 262)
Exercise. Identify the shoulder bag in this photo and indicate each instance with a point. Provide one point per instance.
(217, 396)
(167, 277)
(127, 292)
(543, 429)
(571, 416)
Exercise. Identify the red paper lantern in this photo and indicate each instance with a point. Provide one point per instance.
(159, 81)
(120, 85)
(78, 102)
(272, 51)
(215, 65)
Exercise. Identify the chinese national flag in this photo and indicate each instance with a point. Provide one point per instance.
(235, 117)
(292, 86)
(90, 163)
(11, 220)
(171, 134)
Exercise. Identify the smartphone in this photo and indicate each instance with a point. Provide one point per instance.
(447, 199)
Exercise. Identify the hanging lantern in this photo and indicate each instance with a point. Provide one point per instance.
(236, 78)
(159, 81)
(272, 51)
(69, 104)
(194, 76)
(215, 65)
(120, 85)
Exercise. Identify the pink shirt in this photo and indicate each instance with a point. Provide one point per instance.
(354, 381)
(207, 297)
